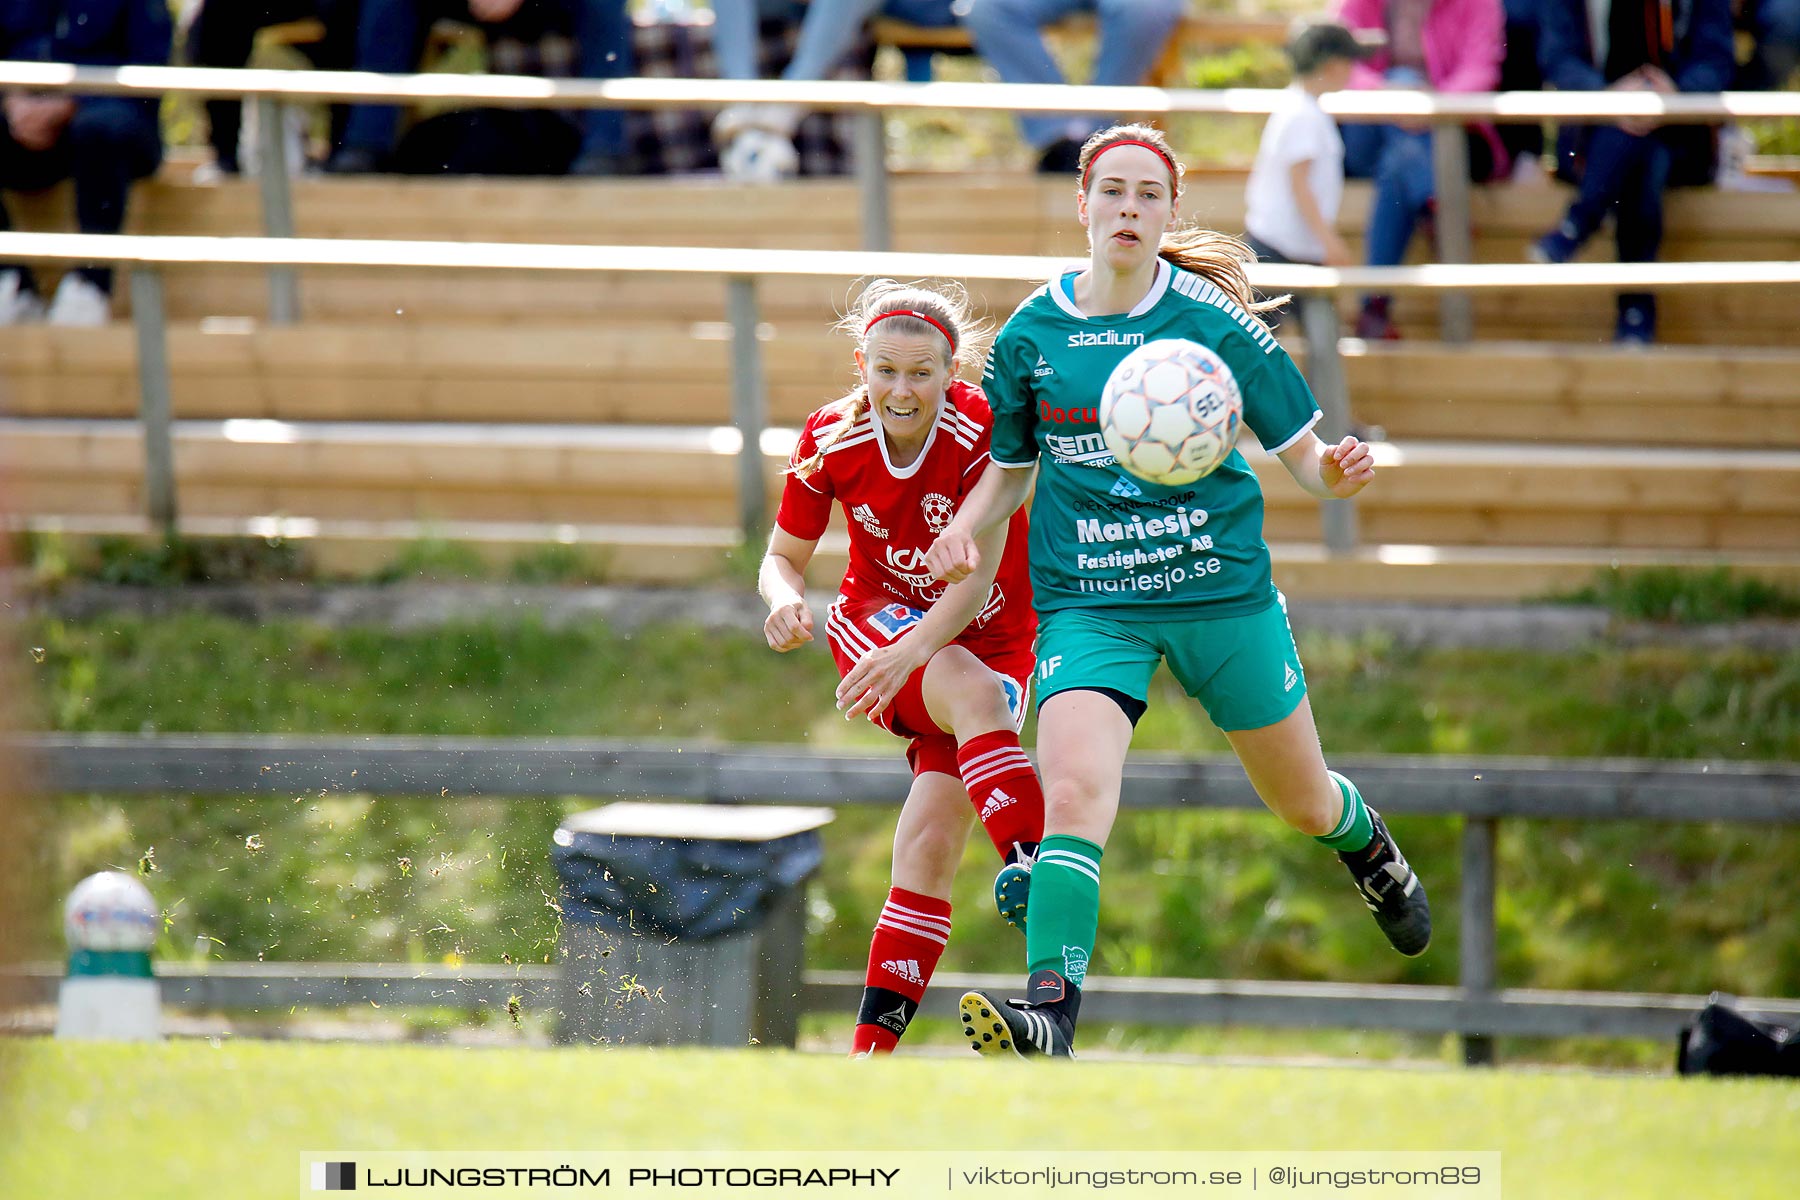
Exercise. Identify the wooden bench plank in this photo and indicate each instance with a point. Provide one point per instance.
(1437, 493)
(671, 372)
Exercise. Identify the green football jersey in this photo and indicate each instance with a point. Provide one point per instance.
(1101, 537)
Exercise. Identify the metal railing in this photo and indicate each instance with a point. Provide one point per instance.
(870, 102)
(281, 254)
(1482, 792)
(744, 268)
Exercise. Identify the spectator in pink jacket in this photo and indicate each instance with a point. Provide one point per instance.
(1440, 46)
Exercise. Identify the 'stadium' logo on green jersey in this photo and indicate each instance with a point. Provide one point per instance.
(1106, 337)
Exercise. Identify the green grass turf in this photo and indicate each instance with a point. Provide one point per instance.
(187, 1119)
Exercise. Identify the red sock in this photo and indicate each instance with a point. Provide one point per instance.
(1003, 788)
(909, 938)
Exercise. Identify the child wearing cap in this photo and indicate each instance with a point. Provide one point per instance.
(1297, 181)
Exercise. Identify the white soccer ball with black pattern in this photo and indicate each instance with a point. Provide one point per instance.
(1171, 411)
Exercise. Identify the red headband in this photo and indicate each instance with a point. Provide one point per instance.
(912, 312)
(1174, 175)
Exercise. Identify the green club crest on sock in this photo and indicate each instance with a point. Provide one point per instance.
(1075, 963)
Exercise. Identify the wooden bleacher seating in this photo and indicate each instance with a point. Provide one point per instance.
(646, 372)
(1577, 504)
(1519, 462)
(1022, 215)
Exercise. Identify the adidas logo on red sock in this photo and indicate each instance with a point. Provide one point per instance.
(905, 968)
(996, 801)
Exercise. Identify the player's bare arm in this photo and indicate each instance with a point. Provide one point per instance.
(782, 582)
(958, 551)
(1334, 472)
(871, 685)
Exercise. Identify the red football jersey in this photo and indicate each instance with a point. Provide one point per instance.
(897, 512)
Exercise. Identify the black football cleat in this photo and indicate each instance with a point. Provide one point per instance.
(1391, 890)
(1018, 1028)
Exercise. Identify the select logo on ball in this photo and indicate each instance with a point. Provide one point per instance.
(1171, 411)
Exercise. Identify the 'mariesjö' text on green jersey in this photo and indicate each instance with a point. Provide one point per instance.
(1101, 537)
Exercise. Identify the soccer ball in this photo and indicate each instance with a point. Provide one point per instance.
(1171, 411)
(110, 911)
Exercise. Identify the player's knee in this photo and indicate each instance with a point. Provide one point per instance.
(969, 691)
(1070, 797)
(929, 852)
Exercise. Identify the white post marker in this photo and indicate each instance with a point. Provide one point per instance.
(110, 992)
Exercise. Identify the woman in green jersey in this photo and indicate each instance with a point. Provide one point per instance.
(1128, 573)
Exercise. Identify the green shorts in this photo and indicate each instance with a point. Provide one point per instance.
(1244, 670)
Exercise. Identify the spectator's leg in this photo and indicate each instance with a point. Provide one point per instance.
(1009, 34)
(1403, 185)
(222, 36)
(26, 171)
(336, 52)
(1640, 230)
(737, 34)
(826, 35)
(603, 44)
(1132, 36)
(111, 141)
(1609, 157)
(390, 37)
(1363, 145)
(1519, 72)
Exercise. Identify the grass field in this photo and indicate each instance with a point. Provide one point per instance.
(190, 1119)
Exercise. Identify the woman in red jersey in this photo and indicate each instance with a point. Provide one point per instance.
(946, 666)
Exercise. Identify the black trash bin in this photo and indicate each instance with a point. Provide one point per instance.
(684, 923)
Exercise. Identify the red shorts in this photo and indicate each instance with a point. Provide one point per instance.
(853, 628)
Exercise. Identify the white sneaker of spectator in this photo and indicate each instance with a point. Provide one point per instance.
(760, 156)
(79, 304)
(1528, 171)
(1735, 147)
(19, 305)
(756, 145)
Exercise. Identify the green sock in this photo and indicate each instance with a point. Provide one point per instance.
(1063, 915)
(1354, 829)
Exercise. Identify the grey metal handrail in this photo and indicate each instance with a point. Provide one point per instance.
(1482, 791)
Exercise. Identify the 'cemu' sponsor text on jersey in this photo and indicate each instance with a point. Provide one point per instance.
(1099, 537)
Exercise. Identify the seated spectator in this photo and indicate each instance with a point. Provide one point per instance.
(1009, 34)
(102, 142)
(757, 141)
(1438, 45)
(223, 35)
(1623, 167)
(522, 36)
(1297, 181)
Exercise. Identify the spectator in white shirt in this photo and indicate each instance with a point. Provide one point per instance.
(1297, 182)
